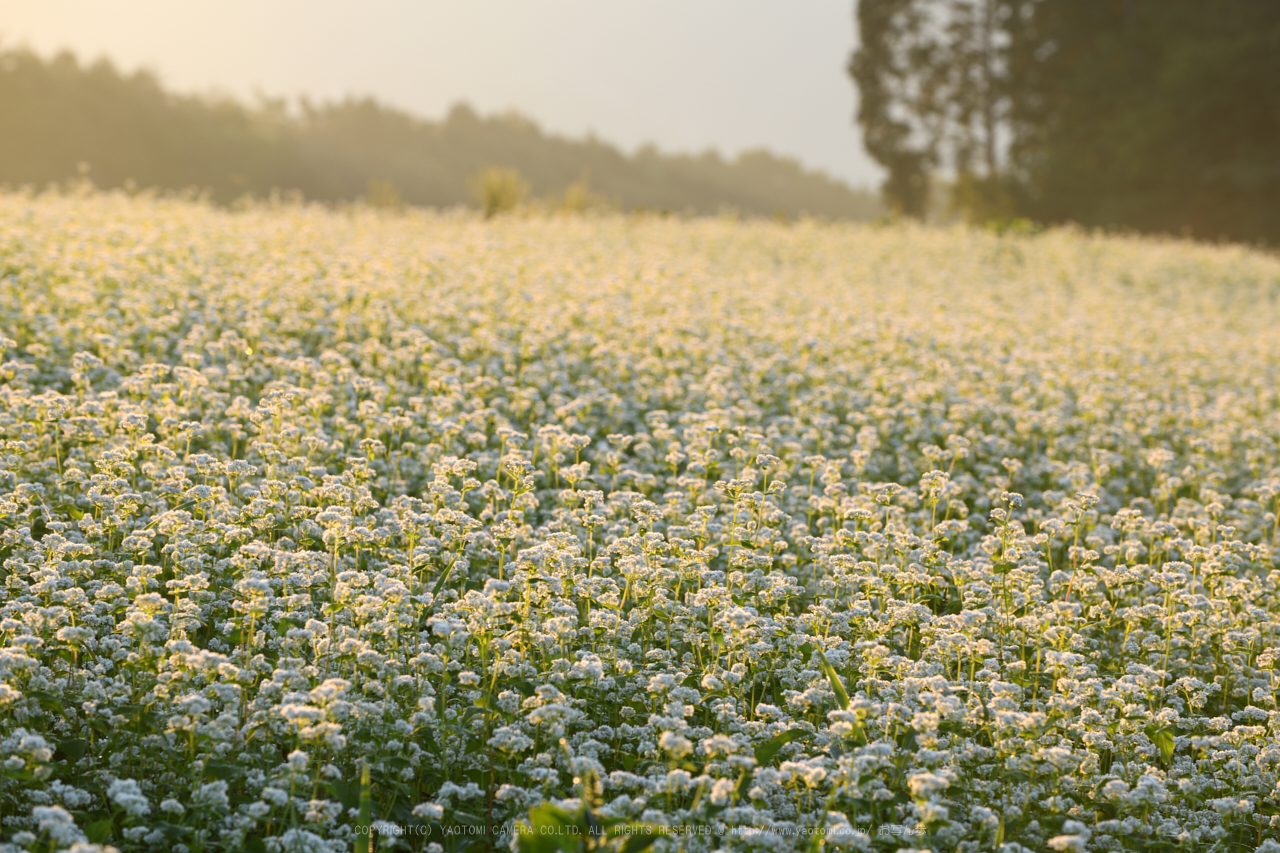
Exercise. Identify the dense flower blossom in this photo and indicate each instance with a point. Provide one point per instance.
(754, 534)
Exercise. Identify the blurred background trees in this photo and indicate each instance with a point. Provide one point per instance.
(498, 190)
(56, 114)
(1154, 115)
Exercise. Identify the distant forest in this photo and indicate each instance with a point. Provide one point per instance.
(57, 114)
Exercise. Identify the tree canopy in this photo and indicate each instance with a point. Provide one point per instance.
(59, 113)
(1155, 115)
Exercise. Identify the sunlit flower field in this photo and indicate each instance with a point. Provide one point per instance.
(332, 531)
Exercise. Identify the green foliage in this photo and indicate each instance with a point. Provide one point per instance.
(1155, 115)
(765, 752)
(837, 686)
(134, 134)
(930, 92)
(498, 190)
(980, 199)
(579, 198)
(365, 815)
(879, 71)
(1016, 225)
(551, 829)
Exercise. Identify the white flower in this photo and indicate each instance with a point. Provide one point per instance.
(297, 841)
(331, 690)
(662, 682)
(719, 745)
(126, 794)
(58, 823)
(677, 746)
(212, 794)
(297, 761)
(510, 741)
(275, 796)
(721, 791)
(449, 790)
(927, 784)
(428, 811)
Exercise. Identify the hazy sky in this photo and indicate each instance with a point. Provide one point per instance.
(684, 74)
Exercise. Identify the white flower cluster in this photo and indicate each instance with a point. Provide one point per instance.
(313, 522)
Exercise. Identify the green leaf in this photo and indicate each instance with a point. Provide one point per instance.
(347, 794)
(47, 701)
(767, 750)
(72, 749)
(837, 686)
(528, 841)
(640, 840)
(1163, 740)
(549, 815)
(366, 809)
(469, 714)
(254, 844)
(221, 769)
(744, 783)
(907, 743)
(552, 828)
(99, 832)
(444, 576)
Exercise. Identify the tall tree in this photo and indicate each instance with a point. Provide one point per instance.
(933, 93)
(1157, 115)
(892, 122)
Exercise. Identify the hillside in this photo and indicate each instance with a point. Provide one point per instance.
(131, 131)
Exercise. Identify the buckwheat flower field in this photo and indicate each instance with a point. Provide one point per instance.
(332, 531)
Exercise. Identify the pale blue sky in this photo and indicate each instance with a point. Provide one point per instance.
(684, 74)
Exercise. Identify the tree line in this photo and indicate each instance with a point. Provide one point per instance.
(58, 113)
(1150, 115)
